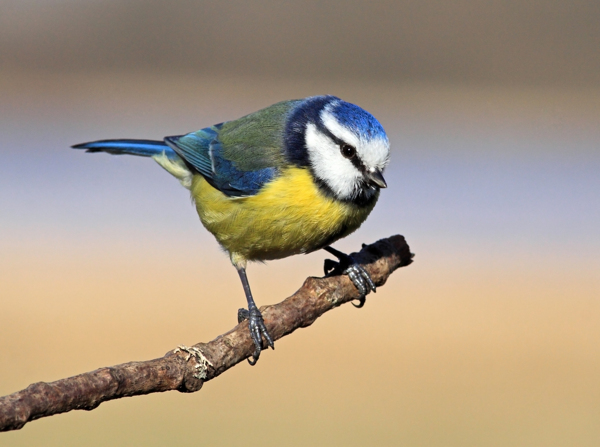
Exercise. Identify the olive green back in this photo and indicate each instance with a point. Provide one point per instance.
(255, 141)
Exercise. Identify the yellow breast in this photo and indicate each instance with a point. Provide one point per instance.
(288, 216)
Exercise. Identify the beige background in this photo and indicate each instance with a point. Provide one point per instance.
(489, 339)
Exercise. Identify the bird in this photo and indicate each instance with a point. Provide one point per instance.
(288, 179)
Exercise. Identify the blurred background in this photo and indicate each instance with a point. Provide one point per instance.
(491, 338)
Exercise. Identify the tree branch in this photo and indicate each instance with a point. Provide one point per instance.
(186, 369)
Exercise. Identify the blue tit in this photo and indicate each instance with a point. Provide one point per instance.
(291, 178)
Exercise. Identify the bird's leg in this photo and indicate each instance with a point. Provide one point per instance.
(255, 319)
(357, 274)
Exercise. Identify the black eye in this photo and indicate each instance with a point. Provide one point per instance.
(348, 151)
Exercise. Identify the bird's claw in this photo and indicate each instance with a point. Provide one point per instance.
(258, 329)
(357, 274)
(361, 302)
(361, 280)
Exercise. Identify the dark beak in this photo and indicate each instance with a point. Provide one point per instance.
(375, 178)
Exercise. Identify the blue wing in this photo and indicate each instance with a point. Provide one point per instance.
(204, 152)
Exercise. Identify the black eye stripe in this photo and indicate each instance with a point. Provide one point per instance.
(356, 161)
(335, 139)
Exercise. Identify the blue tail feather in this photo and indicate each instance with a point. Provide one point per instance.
(143, 148)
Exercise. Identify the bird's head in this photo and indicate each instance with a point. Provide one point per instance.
(344, 146)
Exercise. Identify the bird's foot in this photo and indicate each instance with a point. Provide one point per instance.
(257, 328)
(357, 274)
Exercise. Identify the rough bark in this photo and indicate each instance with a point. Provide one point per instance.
(187, 368)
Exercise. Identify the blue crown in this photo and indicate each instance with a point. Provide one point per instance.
(358, 120)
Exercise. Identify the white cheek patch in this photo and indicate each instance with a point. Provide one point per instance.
(374, 153)
(330, 165)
